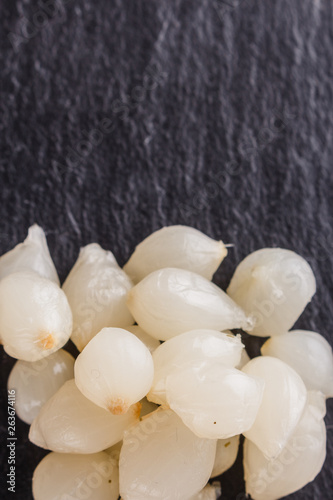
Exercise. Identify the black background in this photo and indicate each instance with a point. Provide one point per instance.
(219, 116)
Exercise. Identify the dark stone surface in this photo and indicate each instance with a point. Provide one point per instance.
(212, 114)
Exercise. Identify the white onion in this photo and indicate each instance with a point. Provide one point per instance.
(36, 382)
(273, 286)
(282, 404)
(176, 246)
(226, 454)
(172, 301)
(299, 462)
(115, 370)
(195, 345)
(71, 423)
(210, 492)
(96, 289)
(148, 340)
(31, 255)
(67, 477)
(162, 458)
(309, 354)
(215, 402)
(35, 318)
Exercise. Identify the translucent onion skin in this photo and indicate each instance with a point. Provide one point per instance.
(172, 301)
(96, 289)
(35, 317)
(226, 454)
(309, 354)
(66, 477)
(195, 345)
(71, 423)
(31, 255)
(299, 462)
(273, 286)
(115, 370)
(282, 404)
(36, 382)
(148, 340)
(215, 402)
(162, 458)
(176, 246)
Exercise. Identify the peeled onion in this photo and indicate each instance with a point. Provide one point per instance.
(172, 301)
(71, 423)
(214, 401)
(115, 370)
(96, 289)
(35, 318)
(67, 477)
(31, 255)
(176, 246)
(195, 345)
(162, 458)
(226, 454)
(309, 354)
(36, 382)
(298, 463)
(282, 404)
(273, 286)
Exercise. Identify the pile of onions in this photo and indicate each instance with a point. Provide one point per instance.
(155, 410)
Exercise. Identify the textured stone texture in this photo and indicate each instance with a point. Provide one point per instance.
(214, 114)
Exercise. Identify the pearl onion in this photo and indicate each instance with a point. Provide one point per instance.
(176, 246)
(31, 255)
(298, 463)
(71, 423)
(96, 289)
(214, 401)
(282, 404)
(115, 370)
(273, 286)
(309, 354)
(162, 458)
(35, 318)
(92, 477)
(172, 301)
(195, 345)
(36, 382)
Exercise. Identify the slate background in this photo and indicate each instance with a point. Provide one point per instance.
(219, 115)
